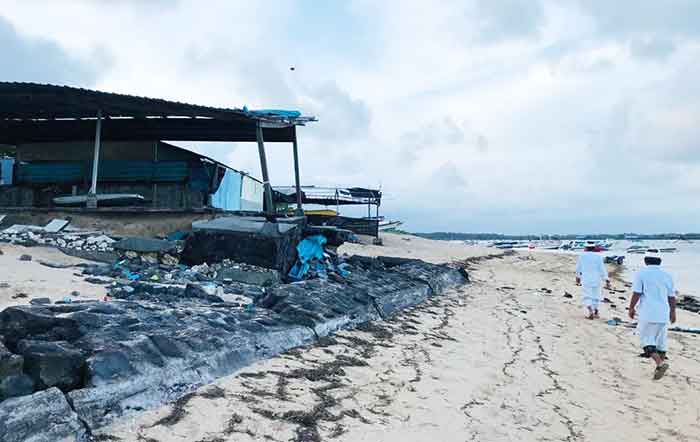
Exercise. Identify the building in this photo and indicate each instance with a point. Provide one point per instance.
(164, 175)
(67, 146)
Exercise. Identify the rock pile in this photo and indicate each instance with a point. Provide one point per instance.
(155, 342)
(88, 241)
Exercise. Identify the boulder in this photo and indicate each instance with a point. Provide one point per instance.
(42, 417)
(10, 363)
(15, 385)
(19, 322)
(52, 364)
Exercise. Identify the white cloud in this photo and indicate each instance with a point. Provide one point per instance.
(519, 116)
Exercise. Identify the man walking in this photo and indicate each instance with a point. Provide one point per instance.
(654, 293)
(590, 274)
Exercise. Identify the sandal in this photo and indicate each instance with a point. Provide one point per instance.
(660, 371)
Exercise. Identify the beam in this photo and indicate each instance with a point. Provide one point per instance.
(96, 160)
(263, 167)
(297, 180)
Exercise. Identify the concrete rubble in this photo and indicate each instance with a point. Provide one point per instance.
(168, 328)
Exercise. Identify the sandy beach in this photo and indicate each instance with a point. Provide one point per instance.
(50, 274)
(507, 357)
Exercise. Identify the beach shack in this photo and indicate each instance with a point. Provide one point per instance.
(71, 147)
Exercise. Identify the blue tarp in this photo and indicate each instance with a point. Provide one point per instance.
(228, 196)
(277, 113)
(6, 166)
(308, 249)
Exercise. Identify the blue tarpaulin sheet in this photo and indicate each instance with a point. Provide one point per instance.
(308, 249)
(228, 195)
(277, 113)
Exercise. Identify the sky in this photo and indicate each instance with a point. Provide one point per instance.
(512, 116)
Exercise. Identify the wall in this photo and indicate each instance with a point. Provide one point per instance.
(110, 150)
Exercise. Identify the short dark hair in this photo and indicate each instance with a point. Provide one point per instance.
(652, 261)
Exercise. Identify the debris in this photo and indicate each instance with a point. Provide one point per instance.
(56, 225)
(568, 295)
(54, 265)
(40, 301)
(614, 321)
(20, 296)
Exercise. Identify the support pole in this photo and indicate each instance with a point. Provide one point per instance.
(297, 180)
(265, 175)
(92, 195)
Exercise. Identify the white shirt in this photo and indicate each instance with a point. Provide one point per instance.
(656, 286)
(591, 269)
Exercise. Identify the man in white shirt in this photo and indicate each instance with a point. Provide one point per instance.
(654, 292)
(590, 274)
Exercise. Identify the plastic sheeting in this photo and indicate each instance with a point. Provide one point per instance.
(252, 192)
(228, 195)
(310, 249)
(6, 166)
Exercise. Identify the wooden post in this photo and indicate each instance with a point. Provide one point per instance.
(92, 195)
(297, 180)
(263, 166)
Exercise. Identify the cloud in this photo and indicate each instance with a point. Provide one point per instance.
(501, 20)
(42, 61)
(498, 115)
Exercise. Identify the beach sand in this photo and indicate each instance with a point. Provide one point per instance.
(506, 358)
(35, 280)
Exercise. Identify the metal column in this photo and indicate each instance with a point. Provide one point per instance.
(297, 180)
(92, 195)
(263, 166)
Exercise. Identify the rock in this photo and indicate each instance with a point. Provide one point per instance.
(20, 322)
(263, 278)
(42, 417)
(203, 291)
(145, 245)
(54, 265)
(40, 301)
(170, 260)
(25, 258)
(10, 363)
(52, 364)
(15, 385)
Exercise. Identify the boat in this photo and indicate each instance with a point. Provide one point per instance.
(103, 199)
(324, 212)
(389, 225)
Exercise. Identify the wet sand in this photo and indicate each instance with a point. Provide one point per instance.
(508, 357)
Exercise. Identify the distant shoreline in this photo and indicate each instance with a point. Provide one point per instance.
(456, 236)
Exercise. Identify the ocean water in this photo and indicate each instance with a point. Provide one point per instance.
(683, 265)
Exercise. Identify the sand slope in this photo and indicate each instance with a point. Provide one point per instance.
(499, 360)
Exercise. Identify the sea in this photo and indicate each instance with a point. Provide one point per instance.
(683, 264)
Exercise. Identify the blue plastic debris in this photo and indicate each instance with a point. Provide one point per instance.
(309, 249)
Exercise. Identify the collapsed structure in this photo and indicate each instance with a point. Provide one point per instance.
(99, 147)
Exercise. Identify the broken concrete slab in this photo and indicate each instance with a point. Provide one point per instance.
(45, 416)
(56, 225)
(145, 245)
(247, 240)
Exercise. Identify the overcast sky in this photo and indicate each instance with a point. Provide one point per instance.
(516, 116)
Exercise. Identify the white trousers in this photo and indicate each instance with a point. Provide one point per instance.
(592, 296)
(653, 334)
